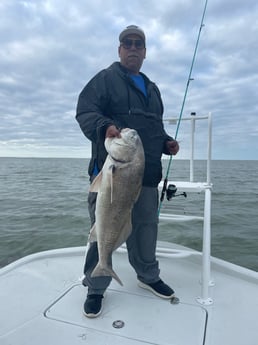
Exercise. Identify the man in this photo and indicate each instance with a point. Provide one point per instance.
(118, 97)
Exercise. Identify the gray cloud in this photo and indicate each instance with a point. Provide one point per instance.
(50, 49)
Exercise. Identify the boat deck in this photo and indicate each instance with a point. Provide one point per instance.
(41, 300)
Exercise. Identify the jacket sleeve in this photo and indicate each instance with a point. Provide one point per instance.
(166, 137)
(90, 112)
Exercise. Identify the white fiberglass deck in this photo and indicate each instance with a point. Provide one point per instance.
(41, 297)
(41, 302)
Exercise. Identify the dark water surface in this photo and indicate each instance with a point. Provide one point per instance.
(43, 205)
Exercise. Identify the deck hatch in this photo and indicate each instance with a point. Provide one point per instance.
(146, 319)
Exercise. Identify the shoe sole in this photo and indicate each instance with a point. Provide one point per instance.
(147, 287)
(92, 315)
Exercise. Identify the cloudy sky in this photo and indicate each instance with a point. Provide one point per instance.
(51, 48)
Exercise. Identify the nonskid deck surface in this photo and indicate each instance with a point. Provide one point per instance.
(42, 300)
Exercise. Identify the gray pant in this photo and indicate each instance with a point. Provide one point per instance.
(141, 244)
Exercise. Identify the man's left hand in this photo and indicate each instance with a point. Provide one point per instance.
(172, 147)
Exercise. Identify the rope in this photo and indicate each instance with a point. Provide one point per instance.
(182, 107)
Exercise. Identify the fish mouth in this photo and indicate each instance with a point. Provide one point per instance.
(118, 160)
(118, 143)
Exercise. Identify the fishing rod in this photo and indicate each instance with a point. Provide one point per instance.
(164, 189)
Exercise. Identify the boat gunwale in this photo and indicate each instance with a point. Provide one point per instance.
(164, 249)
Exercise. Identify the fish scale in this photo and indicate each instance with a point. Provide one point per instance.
(118, 186)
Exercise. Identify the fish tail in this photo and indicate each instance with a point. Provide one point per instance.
(106, 272)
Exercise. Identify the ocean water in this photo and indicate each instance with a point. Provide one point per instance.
(43, 205)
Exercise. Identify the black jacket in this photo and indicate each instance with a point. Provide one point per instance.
(112, 98)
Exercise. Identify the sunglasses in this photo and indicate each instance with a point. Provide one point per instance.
(128, 43)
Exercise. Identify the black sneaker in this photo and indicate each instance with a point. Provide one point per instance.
(159, 289)
(93, 306)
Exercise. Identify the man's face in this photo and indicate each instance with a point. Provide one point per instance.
(132, 52)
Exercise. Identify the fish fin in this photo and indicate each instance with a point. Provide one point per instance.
(92, 234)
(106, 272)
(95, 185)
(113, 168)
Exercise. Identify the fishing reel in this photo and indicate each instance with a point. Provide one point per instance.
(171, 192)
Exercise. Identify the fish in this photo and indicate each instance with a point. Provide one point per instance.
(118, 186)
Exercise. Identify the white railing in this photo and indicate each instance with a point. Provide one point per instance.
(197, 187)
(193, 118)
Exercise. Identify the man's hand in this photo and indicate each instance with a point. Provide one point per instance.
(112, 132)
(172, 147)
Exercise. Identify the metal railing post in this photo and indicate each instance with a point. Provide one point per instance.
(206, 245)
